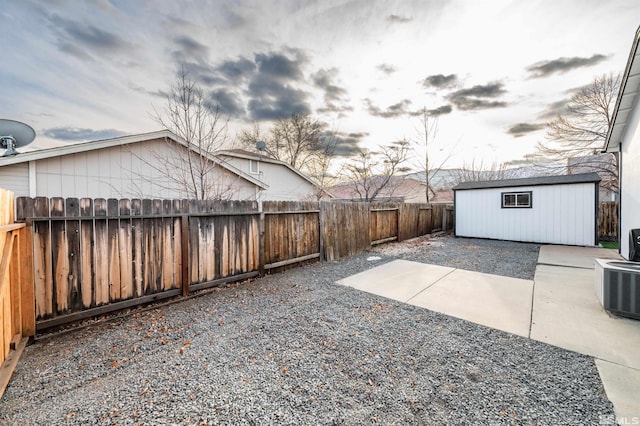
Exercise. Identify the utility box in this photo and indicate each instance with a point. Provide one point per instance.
(634, 245)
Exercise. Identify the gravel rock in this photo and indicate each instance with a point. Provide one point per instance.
(295, 348)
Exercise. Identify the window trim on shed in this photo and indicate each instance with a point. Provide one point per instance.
(504, 205)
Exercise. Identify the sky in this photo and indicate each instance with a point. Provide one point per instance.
(492, 72)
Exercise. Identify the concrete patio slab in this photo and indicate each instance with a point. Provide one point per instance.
(398, 280)
(622, 386)
(494, 301)
(577, 257)
(566, 313)
(558, 307)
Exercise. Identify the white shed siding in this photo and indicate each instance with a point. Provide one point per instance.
(560, 214)
(15, 178)
(630, 180)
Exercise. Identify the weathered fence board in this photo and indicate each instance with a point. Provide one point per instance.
(383, 225)
(17, 304)
(608, 220)
(291, 232)
(346, 229)
(93, 256)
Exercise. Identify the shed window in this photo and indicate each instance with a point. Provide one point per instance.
(516, 200)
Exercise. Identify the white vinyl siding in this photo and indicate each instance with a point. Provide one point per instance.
(125, 171)
(630, 180)
(284, 184)
(560, 214)
(15, 178)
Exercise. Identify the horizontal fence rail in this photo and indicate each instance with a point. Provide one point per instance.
(92, 256)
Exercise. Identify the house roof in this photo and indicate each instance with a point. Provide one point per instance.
(398, 187)
(122, 140)
(241, 153)
(627, 98)
(534, 181)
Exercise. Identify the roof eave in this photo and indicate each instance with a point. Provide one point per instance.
(87, 146)
(612, 143)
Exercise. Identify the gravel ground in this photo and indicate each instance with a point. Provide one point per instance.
(295, 348)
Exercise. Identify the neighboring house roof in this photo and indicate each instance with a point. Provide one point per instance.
(241, 153)
(123, 140)
(627, 98)
(398, 188)
(535, 181)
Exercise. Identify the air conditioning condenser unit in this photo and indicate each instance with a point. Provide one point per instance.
(617, 285)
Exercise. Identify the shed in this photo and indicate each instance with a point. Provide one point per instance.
(549, 209)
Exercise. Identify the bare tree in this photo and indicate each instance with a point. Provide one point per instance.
(249, 137)
(319, 167)
(294, 140)
(580, 133)
(427, 132)
(372, 172)
(194, 170)
(478, 171)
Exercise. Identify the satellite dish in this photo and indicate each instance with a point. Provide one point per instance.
(14, 134)
(261, 146)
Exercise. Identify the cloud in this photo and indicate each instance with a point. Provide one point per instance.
(436, 112)
(195, 48)
(279, 66)
(399, 19)
(392, 111)
(521, 129)
(202, 73)
(477, 97)
(346, 144)
(386, 69)
(228, 102)
(191, 48)
(334, 96)
(440, 81)
(562, 65)
(554, 109)
(76, 134)
(280, 103)
(238, 69)
(272, 89)
(83, 40)
(324, 79)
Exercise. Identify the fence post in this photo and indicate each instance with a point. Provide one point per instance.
(321, 230)
(26, 286)
(261, 257)
(444, 217)
(184, 247)
(398, 227)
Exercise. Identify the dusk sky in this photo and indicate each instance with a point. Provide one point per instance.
(492, 71)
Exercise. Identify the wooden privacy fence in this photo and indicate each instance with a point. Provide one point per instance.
(608, 220)
(17, 319)
(95, 256)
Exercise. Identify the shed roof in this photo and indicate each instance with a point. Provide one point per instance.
(629, 89)
(534, 181)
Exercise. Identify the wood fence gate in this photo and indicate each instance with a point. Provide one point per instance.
(17, 316)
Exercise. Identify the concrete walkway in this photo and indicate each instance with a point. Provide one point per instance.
(558, 307)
